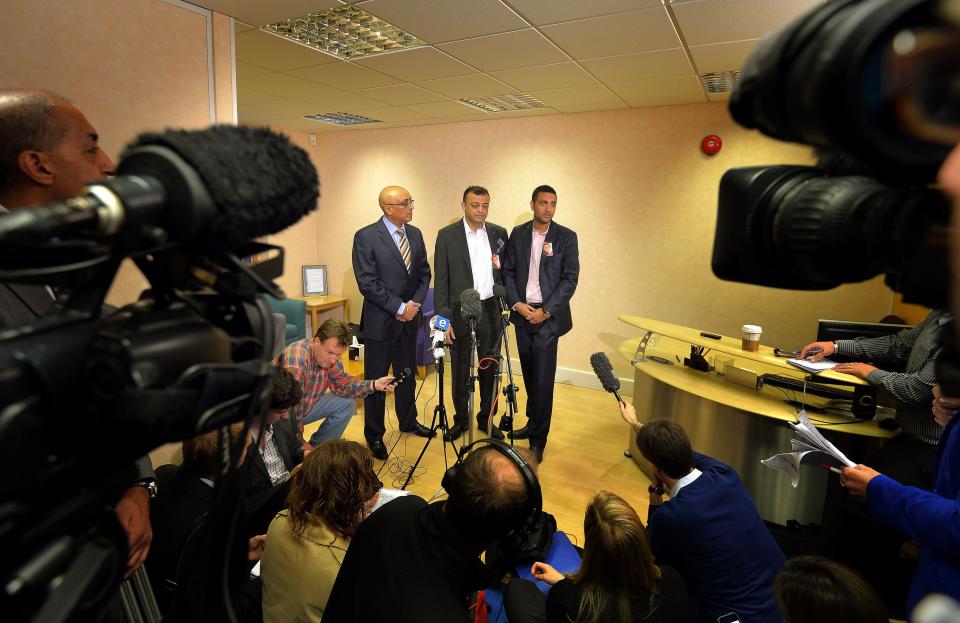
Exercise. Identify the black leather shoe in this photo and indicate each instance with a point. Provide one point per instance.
(378, 450)
(538, 451)
(455, 432)
(419, 430)
(521, 433)
(496, 431)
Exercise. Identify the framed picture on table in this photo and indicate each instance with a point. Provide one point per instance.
(314, 280)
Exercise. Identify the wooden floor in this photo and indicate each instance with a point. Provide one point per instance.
(584, 452)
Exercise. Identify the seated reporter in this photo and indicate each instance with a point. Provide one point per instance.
(932, 518)
(618, 581)
(812, 589)
(330, 494)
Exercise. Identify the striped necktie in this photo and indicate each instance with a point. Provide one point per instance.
(404, 249)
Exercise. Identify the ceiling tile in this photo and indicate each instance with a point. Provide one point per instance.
(283, 85)
(722, 56)
(239, 27)
(521, 48)
(478, 85)
(539, 12)
(527, 112)
(417, 64)
(573, 108)
(719, 97)
(260, 13)
(447, 20)
(400, 95)
(276, 53)
(443, 109)
(665, 100)
(246, 70)
(278, 109)
(339, 102)
(558, 76)
(394, 113)
(344, 76)
(642, 66)
(576, 95)
(250, 96)
(659, 87)
(479, 116)
(304, 125)
(716, 21)
(623, 33)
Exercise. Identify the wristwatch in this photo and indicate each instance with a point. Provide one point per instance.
(149, 484)
(546, 314)
(656, 490)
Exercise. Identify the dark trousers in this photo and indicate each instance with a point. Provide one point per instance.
(379, 357)
(524, 603)
(488, 338)
(537, 347)
(874, 550)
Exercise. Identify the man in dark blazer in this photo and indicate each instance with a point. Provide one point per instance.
(709, 530)
(468, 256)
(540, 274)
(390, 264)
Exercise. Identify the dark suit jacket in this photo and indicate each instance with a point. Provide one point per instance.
(558, 273)
(21, 303)
(262, 499)
(453, 272)
(713, 535)
(385, 282)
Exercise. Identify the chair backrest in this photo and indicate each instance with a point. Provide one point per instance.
(295, 311)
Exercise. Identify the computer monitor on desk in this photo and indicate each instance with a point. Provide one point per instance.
(830, 330)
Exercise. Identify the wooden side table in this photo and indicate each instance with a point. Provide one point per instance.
(318, 304)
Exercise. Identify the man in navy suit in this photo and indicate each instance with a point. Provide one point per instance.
(540, 274)
(390, 264)
(709, 530)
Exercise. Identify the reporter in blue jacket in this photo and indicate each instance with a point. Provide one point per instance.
(932, 518)
(709, 530)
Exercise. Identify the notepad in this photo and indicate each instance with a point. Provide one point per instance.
(812, 366)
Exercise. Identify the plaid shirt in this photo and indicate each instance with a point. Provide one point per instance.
(298, 359)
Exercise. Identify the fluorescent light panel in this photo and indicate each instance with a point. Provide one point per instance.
(345, 32)
(341, 118)
(720, 81)
(503, 103)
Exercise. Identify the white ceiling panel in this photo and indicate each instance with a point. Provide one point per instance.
(239, 27)
(417, 64)
(304, 125)
(246, 70)
(394, 113)
(521, 48)
(719, 97)
(558, 76)
(659, 87)
(623, 33)
(526, 112)
(444, 109)
(339, 102)
(666, 100)
(250, 96)
(574, 108)
(283, 85)
(265, 50)
(722, 56)
(400, 95)
(439, 21)
(278, 109)
(576, 95)
(540, 13)
(642, 66)
(344, 76)
(478, 85)
(260, 13)
(715, 21)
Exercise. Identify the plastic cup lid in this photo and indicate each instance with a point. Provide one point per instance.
(752, 328)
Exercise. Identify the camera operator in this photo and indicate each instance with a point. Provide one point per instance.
(48, 152)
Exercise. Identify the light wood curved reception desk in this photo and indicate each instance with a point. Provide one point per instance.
(736, 424)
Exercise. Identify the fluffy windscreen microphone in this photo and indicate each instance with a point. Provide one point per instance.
(470, 307)
(258, 181)
(604, 371)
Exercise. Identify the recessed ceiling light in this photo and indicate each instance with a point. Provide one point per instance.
(503, 103)
(341, 118)
(344, 32)
(720, 81)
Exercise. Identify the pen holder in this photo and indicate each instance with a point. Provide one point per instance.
(696, 359)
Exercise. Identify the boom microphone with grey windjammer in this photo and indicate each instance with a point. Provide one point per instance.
(604, 371)
(470, 307)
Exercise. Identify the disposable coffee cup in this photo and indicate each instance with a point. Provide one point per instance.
(751, 337)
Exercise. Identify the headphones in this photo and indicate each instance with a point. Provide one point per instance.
(534, 497)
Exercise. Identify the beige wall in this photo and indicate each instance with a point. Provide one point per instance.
(131, 66)
(632, 184)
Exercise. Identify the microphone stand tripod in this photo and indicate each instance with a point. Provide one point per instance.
(510, 390)
(438, 425)
(472, 379)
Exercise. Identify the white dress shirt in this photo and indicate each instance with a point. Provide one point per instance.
(481, 259)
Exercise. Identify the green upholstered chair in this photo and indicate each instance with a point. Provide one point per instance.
(295, 311)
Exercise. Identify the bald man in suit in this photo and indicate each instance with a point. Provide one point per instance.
(390, 264)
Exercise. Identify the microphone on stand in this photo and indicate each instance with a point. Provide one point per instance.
(604, 371)
(438, 330)
(501, 293)
(470, 307)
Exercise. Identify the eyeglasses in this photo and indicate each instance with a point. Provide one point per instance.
(406, 204)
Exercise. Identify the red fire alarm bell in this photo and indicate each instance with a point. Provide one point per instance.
(711, 144)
